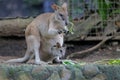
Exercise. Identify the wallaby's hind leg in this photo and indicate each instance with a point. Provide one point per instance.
(36, 46)
(33, 45)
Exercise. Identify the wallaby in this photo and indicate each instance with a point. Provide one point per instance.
(44, 32)
(57, 52)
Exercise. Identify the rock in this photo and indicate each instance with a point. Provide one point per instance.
(3, 75)
(59, 72)
(65, 74)
(24, 76)
(90, 70)
(38, 69)
(54, 76)
(79, 74)
(40, 73)
(100, 77)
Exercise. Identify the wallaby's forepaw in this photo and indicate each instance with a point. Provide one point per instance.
(55, 61)
(59, 32)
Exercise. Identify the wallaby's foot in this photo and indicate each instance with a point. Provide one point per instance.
(40, 63)
(37, 62)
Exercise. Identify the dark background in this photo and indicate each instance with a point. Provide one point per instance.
(24, 8)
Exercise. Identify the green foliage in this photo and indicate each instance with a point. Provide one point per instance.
(73, 63)
(116, 11)
(103, 8)
(68, 62)
(108, 62)
(114, 62)
(71, 27)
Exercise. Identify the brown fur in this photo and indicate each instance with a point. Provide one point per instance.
(43, 33)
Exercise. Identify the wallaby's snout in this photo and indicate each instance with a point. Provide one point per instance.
(66, 31)
(66, 23)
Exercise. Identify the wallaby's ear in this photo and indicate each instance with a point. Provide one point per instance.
(58, 45)
(64, 6)
(55, 7)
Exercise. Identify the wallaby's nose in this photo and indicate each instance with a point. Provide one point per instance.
(66, 32)
(66, 23)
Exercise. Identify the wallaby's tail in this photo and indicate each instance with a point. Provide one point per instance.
(19, 60)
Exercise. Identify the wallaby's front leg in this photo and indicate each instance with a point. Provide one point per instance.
(53, 31)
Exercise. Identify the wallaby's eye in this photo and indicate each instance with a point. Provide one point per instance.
(60, 51)
(61, 15)
(54, 46)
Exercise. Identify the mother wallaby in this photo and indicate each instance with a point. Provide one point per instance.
(44, 32)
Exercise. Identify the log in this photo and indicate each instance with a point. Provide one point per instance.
(17, 26)
(14, 26)
(83, 28)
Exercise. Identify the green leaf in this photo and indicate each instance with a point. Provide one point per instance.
(114, 62)
(71, 29)
(68, 62)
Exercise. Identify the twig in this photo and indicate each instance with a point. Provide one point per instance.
(83, 53)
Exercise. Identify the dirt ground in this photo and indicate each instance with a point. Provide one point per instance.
(14, 48)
